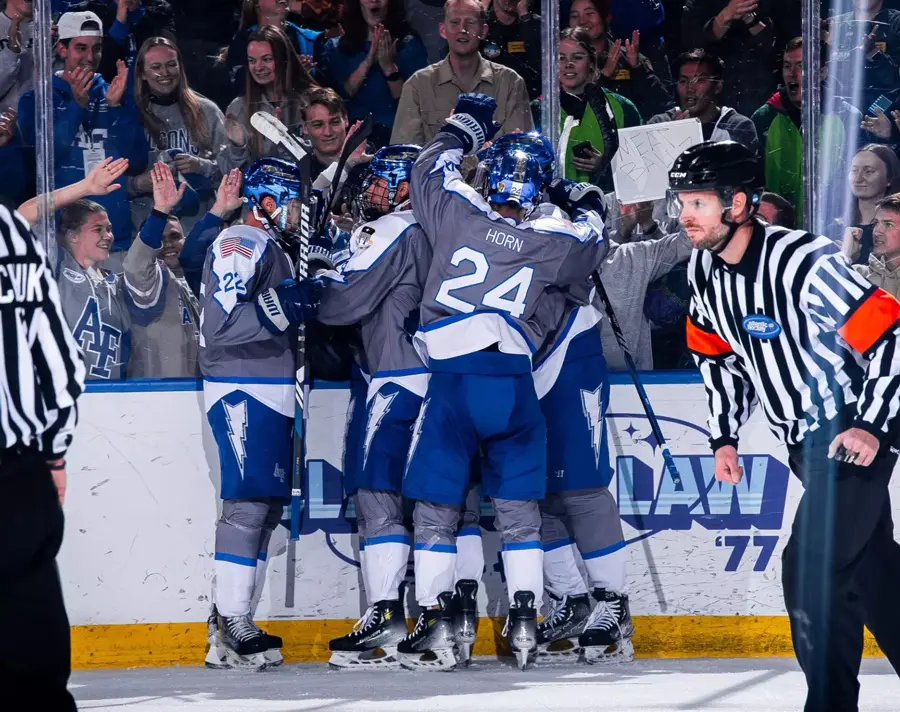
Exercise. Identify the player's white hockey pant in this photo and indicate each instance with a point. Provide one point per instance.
(242, 543)
(519, 525)
(586, 521)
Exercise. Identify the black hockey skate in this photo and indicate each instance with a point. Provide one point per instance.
(521, 628)
(372, 644)
(465, 618)
(557, 634)
(607, 635)
(238, 644)
(273, 644)
(430, 645)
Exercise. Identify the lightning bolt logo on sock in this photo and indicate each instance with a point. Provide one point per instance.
(377, 410)
(592, 404)
(236, 417)
(417, 433)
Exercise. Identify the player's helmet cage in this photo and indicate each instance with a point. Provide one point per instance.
(385, 183)
(515, 177)
(280, 180)
(725, 167)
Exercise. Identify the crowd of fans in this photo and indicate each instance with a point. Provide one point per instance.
(143, 87)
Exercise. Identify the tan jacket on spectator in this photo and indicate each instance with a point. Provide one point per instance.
(429, 96)
(881, 275)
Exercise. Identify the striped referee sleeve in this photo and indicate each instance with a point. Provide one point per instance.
(868, 320)
(729, 390)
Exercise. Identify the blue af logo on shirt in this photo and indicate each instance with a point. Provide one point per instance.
(98, 339)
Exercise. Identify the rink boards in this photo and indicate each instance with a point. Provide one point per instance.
(142, 503)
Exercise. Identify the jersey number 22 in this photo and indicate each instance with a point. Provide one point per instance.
(508, 296)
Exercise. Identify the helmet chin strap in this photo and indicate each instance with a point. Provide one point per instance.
(733, 227)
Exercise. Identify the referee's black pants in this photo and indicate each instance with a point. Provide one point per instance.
(841, 569)
(35, 652)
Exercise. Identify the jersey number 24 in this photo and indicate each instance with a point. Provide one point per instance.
(508, 296)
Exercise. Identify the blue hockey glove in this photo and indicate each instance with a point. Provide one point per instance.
(572, 196)
(289, 303)
(473, 121)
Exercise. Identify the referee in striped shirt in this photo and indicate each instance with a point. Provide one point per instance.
(42, 376)
(779, 318)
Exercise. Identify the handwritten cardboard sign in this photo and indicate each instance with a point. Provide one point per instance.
(646, 153)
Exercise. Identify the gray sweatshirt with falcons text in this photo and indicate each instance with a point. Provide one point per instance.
(488, 273)
(380, 288)
(167, 346)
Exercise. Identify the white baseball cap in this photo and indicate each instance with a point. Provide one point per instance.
(71, 25)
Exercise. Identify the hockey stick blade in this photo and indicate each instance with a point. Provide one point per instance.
(276, 132)
(639, 387)
(353, 142)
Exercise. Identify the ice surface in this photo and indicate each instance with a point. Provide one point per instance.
(745, 685)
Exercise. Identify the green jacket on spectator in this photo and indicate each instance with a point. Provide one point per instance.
(625, 113)
(778, 127)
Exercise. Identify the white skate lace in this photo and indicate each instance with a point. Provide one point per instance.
(368, 618)
(604, 616)
(242, 628)
(558, 611)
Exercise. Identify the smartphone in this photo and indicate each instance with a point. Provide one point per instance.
(882, 102)
(582, 150)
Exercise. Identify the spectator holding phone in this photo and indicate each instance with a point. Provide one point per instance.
(600, 112)
(865, 52)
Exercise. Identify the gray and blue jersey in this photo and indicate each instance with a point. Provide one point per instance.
(236, 351)
(380, 288)
(489, 273)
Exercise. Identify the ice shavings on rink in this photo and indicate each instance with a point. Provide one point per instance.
(745, 685)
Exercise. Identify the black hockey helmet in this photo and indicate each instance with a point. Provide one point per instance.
(724, 167)
(716, 165)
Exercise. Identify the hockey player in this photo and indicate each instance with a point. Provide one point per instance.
(247, 361)
(579, 514)
(779, 317)
(491, 265)
(380, 288)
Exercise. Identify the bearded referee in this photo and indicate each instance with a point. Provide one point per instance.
(779, 318)
(43, 375)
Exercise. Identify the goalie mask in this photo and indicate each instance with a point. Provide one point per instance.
(279, 180)
(385, 182)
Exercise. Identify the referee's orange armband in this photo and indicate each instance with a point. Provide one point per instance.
(705, 343)
(869, 322)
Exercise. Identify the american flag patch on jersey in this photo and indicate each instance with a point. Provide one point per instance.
(240, 245)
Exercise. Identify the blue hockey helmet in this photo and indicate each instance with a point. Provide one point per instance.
(385, 183)
(534, 144)
(515, 177)
(280, 180)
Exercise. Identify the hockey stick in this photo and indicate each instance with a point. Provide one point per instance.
(277, 133)
(632, 369)
(353, 142)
